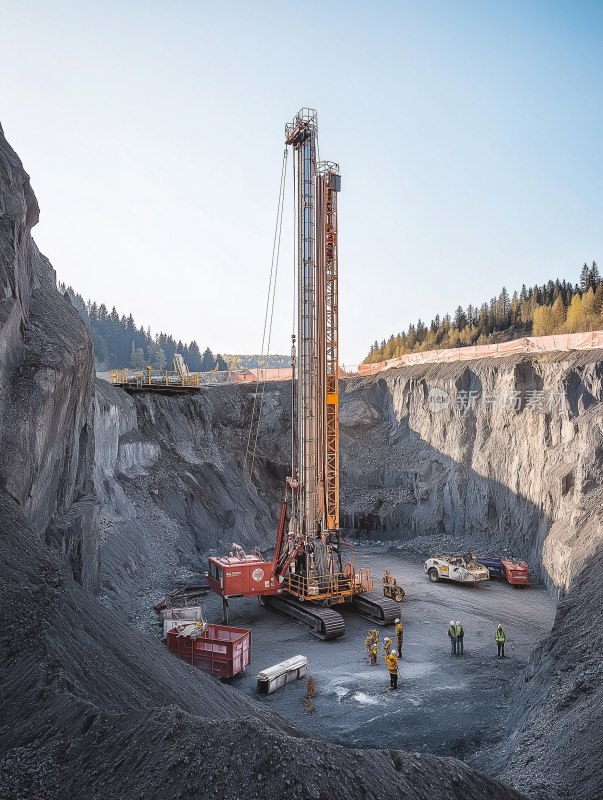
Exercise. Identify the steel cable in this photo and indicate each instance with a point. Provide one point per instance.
(268, 316)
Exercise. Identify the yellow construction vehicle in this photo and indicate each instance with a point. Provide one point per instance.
(391, 588)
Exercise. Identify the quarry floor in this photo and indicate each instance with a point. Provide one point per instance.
(444, 705)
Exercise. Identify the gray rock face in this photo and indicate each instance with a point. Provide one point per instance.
(555, 740)
(114, 417)
(89, 707)
(520, 479)
(46, 384)
(506, 479)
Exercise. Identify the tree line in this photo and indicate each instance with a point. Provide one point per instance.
(555, 307)
(119, 343)
(273, 361)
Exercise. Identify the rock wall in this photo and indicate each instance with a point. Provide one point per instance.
(46, 385)
(487, 469)
(89, 707)
(555, 741)
(476, 469)
(428, 465)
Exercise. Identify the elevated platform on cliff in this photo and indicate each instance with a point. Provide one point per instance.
(148, 380)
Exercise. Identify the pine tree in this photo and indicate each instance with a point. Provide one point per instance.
(543, 324)
(137, 360)
(574, 315)
(460, 320)
(160, 359)
(594, 279)
(411, 338)
(502, 308)
(589, 312)
(388, 352)
(208, 362)
(558, 315)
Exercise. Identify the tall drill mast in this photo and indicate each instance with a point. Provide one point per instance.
(316, 457)
(329, 184)
(309, 570)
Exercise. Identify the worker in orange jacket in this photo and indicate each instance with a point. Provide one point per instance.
(391, 661)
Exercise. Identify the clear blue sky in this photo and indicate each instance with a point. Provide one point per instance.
(468, 133)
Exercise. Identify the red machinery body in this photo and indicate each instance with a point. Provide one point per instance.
(516, 572)
(242, 577)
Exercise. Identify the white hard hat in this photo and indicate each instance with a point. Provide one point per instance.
(397, 620)
(452, 622)
(457, 622)
(392, 652)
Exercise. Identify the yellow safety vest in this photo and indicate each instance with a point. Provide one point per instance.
(500, 635)
(392, 663)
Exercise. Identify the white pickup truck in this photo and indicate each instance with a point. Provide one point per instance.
(456, 568)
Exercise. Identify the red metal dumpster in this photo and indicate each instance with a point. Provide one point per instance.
(219, 650)
(516, 571)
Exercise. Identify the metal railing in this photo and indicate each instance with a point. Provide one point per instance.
(324, 587)
(144, 377)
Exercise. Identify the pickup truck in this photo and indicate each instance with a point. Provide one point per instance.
(455, 568)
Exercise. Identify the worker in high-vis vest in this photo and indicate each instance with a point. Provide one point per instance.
(452, 637)
(391, 661)
(460, 635)
(387, 643)
(500, 641)
(372, 638)
(373, 653)
(400, 635)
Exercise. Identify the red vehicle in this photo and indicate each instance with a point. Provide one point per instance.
(516, 572)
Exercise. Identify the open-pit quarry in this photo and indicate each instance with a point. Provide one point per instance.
(108, 500)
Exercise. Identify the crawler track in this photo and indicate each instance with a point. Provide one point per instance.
(323, 623)
(376, 608)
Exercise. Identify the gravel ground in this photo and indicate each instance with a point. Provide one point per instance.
(445, 705)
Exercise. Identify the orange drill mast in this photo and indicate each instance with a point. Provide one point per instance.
(308, 560)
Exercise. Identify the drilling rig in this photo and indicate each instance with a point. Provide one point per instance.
(313, 569)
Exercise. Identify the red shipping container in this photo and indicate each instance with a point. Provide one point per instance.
(219, 650)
